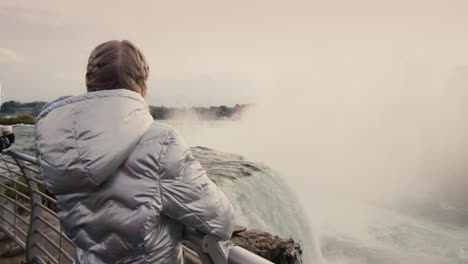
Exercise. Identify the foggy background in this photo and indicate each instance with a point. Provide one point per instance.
(354, 99)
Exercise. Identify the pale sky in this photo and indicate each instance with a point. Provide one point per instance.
(226, 52)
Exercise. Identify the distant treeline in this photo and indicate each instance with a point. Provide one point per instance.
(14, 112)
(19, 119)
(201, 113)
(11, 107)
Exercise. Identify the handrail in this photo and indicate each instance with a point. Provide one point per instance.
(38, 232)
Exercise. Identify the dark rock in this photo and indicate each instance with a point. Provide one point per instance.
(276, 249)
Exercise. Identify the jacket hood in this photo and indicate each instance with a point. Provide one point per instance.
(81, 141)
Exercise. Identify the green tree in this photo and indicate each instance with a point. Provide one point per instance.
(9, 107)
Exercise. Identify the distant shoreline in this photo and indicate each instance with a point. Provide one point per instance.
(13, 112)
(17, 120)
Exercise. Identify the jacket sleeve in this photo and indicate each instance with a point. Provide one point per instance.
(4, 143)
(188, 195)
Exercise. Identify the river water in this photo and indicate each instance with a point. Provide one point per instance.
(333, 228)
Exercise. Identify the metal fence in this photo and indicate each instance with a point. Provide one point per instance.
(28, 216)
(28, 213)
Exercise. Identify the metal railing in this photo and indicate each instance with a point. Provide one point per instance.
(28, 212)
(28, 216)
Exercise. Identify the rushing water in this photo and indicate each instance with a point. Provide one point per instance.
(350, 230)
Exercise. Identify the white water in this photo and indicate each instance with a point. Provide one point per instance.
(386, 214)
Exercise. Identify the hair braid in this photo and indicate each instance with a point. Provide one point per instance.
(115, 65)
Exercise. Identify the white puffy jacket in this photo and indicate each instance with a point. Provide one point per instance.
(125, 185)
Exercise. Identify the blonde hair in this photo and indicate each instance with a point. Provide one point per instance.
(115, 65)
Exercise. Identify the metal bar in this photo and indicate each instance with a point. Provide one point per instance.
(13, 251)
(47, 253)
(40, 261)
(22, 184)
(6, 162)
(22, 156)
(48, 239)
(9, 161)
(33, 241)
(61, 233)
(55, 245)
(15, 169)
(56, 230)
(45, 208)
(48, 224)
(43, 195)
(238, 255)
(60, 244)
(15, 191)
(15, 202)
(195, 239)
(15, 238)
(37, 181)
(190, 256)
(32, 170)
(14, 226)
(67, 256)
(16, 215)
(11, 171)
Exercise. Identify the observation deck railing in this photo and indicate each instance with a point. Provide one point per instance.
(28, 216)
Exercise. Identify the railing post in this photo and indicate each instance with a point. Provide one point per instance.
(6, 216)
(3, 202)
(34, 237)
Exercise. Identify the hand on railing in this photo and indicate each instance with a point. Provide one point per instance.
(6, 141)
(210, 252)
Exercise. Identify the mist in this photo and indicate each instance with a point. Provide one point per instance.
(357, 103)
(393, 126)
(367, 99)
(387, 131)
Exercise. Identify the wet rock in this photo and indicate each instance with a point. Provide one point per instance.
(276, 249)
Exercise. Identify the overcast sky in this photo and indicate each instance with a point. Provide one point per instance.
(223, 52)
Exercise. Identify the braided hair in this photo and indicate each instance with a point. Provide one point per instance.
(115, 65)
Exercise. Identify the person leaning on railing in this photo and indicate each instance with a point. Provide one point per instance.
(125, 185)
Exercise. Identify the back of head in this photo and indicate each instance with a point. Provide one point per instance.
(117, 65)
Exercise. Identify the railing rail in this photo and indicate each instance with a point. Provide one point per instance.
(28, 216)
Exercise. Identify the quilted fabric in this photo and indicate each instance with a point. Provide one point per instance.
(125, 185)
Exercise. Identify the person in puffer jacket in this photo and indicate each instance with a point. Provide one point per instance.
(125, 185)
